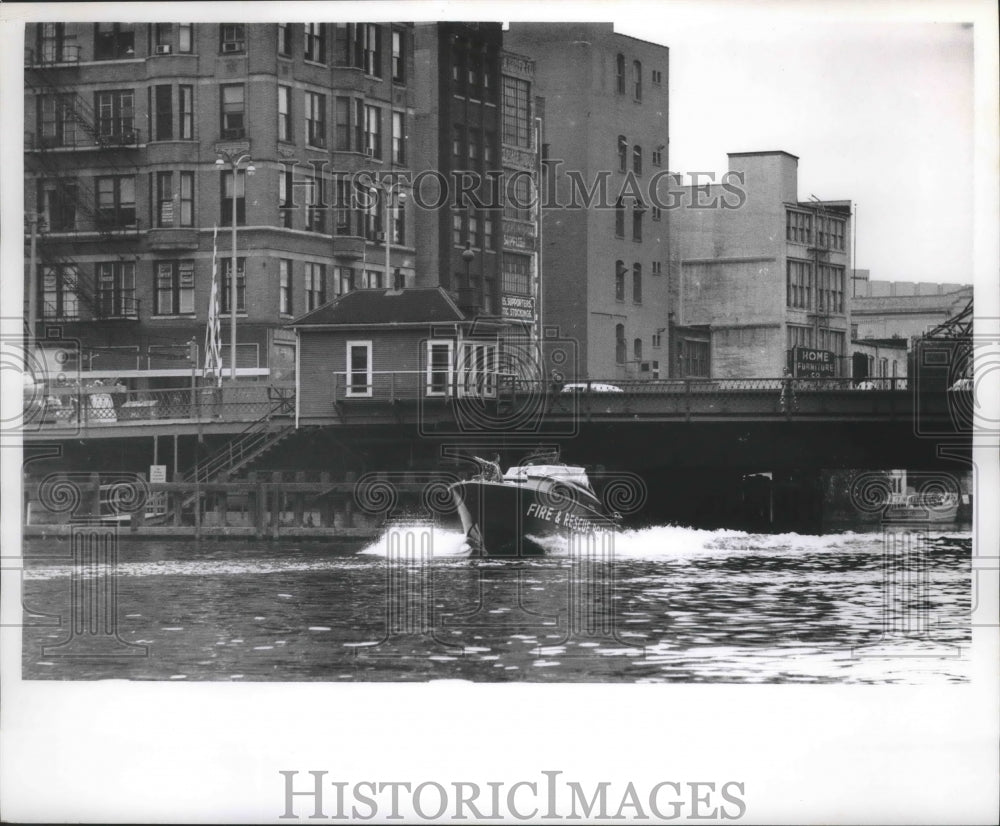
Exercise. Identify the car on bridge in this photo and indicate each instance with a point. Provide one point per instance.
(591, 387)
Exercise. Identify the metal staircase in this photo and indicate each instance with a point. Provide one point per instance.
(251, 444)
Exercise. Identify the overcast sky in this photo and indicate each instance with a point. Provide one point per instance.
(881, 114)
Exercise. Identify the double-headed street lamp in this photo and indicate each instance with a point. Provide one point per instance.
(393, 192)
(234, 160)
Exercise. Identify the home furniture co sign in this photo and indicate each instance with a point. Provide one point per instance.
(808, 363)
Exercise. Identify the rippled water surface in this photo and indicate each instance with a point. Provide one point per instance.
(670, 605)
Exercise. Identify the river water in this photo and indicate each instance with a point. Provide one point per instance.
(661, 604)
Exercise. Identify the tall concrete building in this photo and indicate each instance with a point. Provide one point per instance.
(759, 276)
(477, 126)
(125, 127)
(603, 262)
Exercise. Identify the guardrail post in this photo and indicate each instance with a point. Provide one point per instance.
(277, 502)
(298, 499)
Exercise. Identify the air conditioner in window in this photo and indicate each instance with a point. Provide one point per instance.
(370, 152)
(163, 48)
(233, 134)
(231, 46)
(318, 140)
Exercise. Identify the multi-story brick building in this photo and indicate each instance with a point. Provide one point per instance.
(125, 124)
(757, 272)
(606, 130)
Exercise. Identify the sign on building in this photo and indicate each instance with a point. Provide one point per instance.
(808, 363)
(517, 306)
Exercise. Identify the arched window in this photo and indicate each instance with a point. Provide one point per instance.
(620, 345)
(620, 218)
(620, 73)
(637, 349)
(622, 154)
(637, 284)
(637, 160)
(620, 280)
(637, 79)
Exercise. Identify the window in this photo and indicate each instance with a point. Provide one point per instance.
(637, 159)
(800, 284)
(657, 77)
(439, 367)
(657, 341)
(637, 349)
(799, 336)
(458, 146)
(474, 231)
(398, 64)
(58, 199)
(636, 80)
(368, 48)
(619, 280)
(473, 150)
(622, 154)
(232, 100)
(116, 201)
(174, 288)
(187, 199)
(658, 157)
(315, 119)
(458, 76)
(59, 298)
(344, 131)
(343, 280)
(373, 131)
(519, 203)
(373, 280)
(286, 206)
(241, 283)
(226, 200)
(637, 212)
(637, 284)
(620, 218)
(488, 236)
(798, 227)
(478, 369)
(164, 113)
(163, 39)
(620, 345)
(284, 286)
(832, 340)
(187, 112)
(315, 207)
(489, 74)
(114, 41)
(359, 369)
(285, 39)
(474, 66)
(830, 289)
(620, 74)
(56, 121)
(314, 43)
(53, 46)
(164, 199)
(116, 289)
(657, 268)
(516, 112)
(657, 213)
(185, 37)
(344, 211)
(285, 113)
(489, 154)
(373, 216)
(115, 116)
(232, 38)
(398, 138)
(398, 223)
(830, 232)
(457, 236)
(315, 285)
(516, 274)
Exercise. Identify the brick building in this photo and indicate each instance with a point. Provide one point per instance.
(606, 126)
(124, 127)
(757, 272)
(903, 309)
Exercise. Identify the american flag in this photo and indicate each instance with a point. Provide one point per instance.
(213, 341)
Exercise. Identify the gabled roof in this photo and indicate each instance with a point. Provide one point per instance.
(415, 305)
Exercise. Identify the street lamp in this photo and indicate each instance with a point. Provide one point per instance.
(392, 192)
(234, 162)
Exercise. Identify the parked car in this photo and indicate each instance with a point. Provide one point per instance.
(591, 387)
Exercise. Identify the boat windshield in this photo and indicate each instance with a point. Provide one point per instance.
(563, 473)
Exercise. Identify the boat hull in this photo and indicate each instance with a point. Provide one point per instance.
(501, 519)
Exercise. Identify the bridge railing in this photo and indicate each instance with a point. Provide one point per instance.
(100, 406)
(400, 385)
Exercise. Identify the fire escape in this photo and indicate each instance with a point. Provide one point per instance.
(75, 205)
